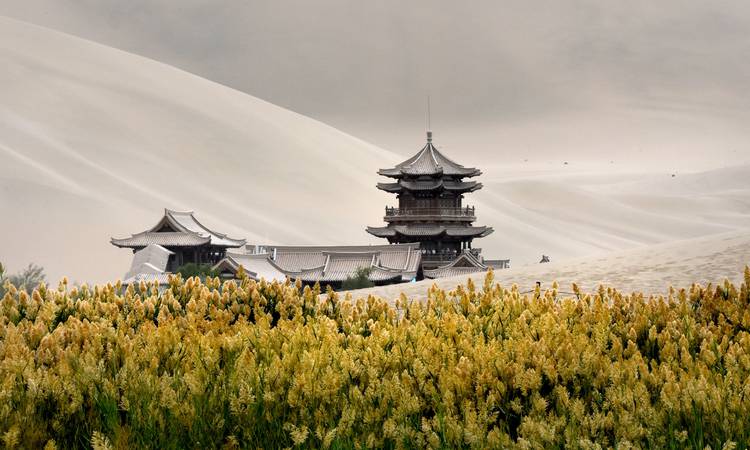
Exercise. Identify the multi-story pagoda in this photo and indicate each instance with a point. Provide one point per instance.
(430, 189)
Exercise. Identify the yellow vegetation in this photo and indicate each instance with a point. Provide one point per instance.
(246, 365)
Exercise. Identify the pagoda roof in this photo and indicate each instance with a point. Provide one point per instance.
(178, 229)
(430, 230)
(430, 185)
(429, 161)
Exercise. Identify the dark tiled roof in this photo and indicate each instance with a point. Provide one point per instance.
(430, 185)
(382, 231)
(462, 186)
(468, 231)
(429, 161)
(165, 239)
(429, 230)
(178, 229)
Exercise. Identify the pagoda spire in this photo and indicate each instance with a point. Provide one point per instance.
(429, 128)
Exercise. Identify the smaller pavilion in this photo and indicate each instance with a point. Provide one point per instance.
(184, 237)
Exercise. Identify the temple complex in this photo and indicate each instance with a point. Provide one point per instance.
(430, 235)
(430, 190)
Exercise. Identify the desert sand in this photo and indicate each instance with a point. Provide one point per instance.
(95, 142)
(650, 270)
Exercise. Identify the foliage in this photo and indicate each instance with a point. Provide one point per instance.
(2, 280)
(259, 365)
(196, 270)
(26, 280)
(29, 278)
(360, 279)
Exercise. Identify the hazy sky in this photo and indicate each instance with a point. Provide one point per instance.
(509, 80)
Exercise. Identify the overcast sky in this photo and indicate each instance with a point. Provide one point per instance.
(509, 80)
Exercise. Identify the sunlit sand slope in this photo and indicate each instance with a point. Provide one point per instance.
(649, 269)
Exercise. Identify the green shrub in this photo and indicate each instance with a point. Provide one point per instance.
(360, 279)
(197, 270)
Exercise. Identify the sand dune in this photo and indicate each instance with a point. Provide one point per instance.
(95, 142)
(650, 269)
(593, 211)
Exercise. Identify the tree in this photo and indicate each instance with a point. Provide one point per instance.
(26, 280)
(360, 279)
(29, 278)
(2, 280)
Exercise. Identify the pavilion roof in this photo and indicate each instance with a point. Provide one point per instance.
(149, 264)
(466, 263)
(151, 259)
(257, 266)
(429, 161)
(399, 262)
(165, 239)
(430, 230)
(430, 185)
(178, 229)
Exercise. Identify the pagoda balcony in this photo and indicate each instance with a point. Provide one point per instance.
(462, 214)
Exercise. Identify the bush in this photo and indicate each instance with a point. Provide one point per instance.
(197, 270)
(360, 279)
(270, 365)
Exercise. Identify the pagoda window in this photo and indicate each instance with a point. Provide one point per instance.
(447, 202)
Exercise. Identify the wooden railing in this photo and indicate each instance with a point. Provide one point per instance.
(467, 211)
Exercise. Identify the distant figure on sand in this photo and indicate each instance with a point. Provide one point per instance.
(545, 259)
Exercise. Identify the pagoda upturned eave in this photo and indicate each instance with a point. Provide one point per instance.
(430, 231)
(164, 239)
(429, 185)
